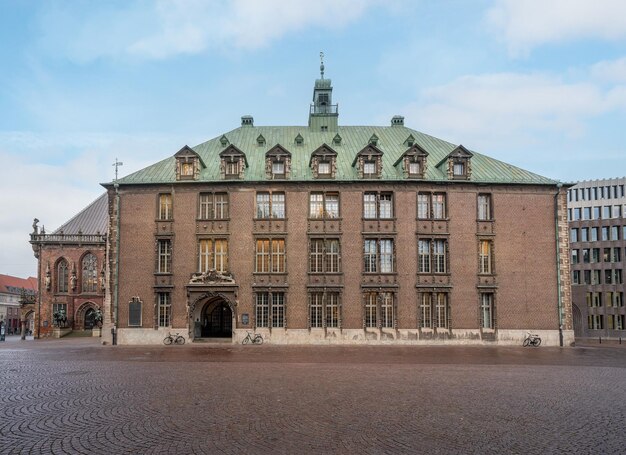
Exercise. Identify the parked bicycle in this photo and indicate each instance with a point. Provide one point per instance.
(256, 339)
(531, 340)
(176, 339)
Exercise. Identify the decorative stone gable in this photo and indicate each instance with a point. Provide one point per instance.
(278, 163)
(369, 162)
(188, 164)
(323, 163)
(414, 162)
(232, 163)
(459, 164)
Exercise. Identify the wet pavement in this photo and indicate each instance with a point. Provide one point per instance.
(76, 396)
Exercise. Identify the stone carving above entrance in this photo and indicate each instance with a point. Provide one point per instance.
(212, 276)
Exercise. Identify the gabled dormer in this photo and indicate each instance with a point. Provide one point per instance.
(277, 163)
(224, 141)
(188, 164)
(323, 162)
(337, 139)
(260, 140)
(458, 164)
(374, 140)
(232, 163)
(299, 140)
(413, 162)
(409, 141)
(369, 162)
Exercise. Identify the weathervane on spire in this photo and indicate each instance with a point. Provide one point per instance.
(117, 164)
(322, 64)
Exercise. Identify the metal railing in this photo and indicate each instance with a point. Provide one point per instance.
(324, 109)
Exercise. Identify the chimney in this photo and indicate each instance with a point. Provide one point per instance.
(247, 120)
(397, 120)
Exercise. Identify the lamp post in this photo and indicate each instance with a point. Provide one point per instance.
(2, 328)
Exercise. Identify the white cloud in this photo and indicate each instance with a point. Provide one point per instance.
(170, 27)
(525, 24)
(610, 71)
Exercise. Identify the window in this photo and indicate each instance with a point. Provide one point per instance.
(414, 168)
(165, 309)
(270, 205)
(278, 169)
(270, 256)
(596, 213)
(425, 311)
(270, 309)
(431, 206)
(577, 214)
(614, 232)
(213, 206)
(379, 310)
(134, 312)
(432, 256)
(323, 168)
(324, 309)
(378, 256)
(596, 321)
(212, 255)
(576, 277)
(484, 207)
(89, 273)
(606, 212)
(595, 255)
(324, 256)
(62, 276)
(575, 258)
(616, 256)
(324, 205)
(485, 258)
(605, 233)
(441, 310)
(586, 255)
(584, 234)
(60, 308)
(187, 169)
(586, 213)
(165, 206)
(594, 234)
(573, 235)
(459, 169)
(164, 256)
(369, 169)
(486, 311)
(377, 205)
(231, 169)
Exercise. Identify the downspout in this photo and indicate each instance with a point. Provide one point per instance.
(117, 264)
(558, 257)
(39, 293)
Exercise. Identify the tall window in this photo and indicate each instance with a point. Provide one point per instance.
(485, 259)
(459, 169)
(164, 256)
(425, 313)
(90, 273)
(378, 205)
(324, 309)
(441, 310)
(324, 205)
(278, 169)
(231, 169)
(213, 206)
(379, 309)
(62, 276)
(165, 309)
(270, 309)
(165, 206)
(484, 207)
(378, 256)
(324, 256)
(431, 206)
(212, 255)
(270, 205)
(432, 256)
(486, 311)
(270, 256)
(369, 169)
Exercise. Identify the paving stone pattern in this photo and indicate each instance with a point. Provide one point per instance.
(79, 398)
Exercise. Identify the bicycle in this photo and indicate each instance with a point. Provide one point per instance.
(176, 339)
(531, 340)
(257, 339)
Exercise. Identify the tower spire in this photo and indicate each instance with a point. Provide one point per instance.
(322, 64)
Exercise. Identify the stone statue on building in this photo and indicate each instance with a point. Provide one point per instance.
(212, 276)
(35, 227)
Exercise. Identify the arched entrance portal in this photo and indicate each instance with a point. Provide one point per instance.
(90, 322)
(217, 320)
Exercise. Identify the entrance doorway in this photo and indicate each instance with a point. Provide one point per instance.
(90, 315)
(217, 320)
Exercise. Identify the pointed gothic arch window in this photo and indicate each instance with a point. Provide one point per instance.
(63, 276)
(89, 273)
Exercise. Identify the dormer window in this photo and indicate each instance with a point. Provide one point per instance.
(278, 163)
(299, 140)
(459, 164)
(337, 139)
(369, 162)
(224, 141)
(373, 140)
(260, 140)
(414, 168)
(323, 163)
(233, 163)
(188, 164)
(413, 162)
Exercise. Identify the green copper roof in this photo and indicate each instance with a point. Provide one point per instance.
(392, 141)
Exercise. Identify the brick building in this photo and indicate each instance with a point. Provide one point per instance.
(71, 270)
(337, 234)
(14, 291)
(597, 214)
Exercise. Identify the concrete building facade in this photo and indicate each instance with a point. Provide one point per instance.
(597, 219)
(337, 234)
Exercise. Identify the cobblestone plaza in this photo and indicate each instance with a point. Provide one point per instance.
(75, 396)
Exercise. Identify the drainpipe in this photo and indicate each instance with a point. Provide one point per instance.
(558, 257)
(39, 293)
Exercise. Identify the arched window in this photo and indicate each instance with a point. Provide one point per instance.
(62, 276)
(90, 273)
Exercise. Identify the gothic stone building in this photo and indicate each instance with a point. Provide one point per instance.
(337, 234)
(71, 270)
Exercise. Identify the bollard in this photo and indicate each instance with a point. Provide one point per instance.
(620, 340)
(600, 340)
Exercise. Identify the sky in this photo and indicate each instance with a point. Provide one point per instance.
(540, 84)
